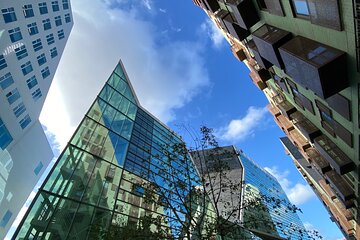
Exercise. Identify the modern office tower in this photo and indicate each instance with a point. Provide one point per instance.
(32, 38)
(119, 167)
(209, 163)
(283, 222)
(271, 218)
(304, 56)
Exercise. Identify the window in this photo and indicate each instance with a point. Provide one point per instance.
(300, 8)
(45, 72)
(9, 15)
(41, 59)
(2, 62)
(50, 39)
(55, 6)
(31, 82)
(65, 4)
(28, 11)
(26, 68)
(6, 218)
(327, 120)
(46, 24)
(36, 95)
(32, 28)
(15, 34)
(19, 109)
(38, 168)
(61, 34)
(12, 96)
(53, 52)
(25, 121)
(5, 137)
(58, 21)
(67, 18)
(21, 52)
(6, 81)
(37, 45)
(43, 8)
(138, 190)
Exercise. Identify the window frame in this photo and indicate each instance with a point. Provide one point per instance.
(296, 14)
(15, 34)
(9, 15)
(28, 11)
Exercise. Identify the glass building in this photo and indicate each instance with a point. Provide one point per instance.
(123, 175)
(275, 217)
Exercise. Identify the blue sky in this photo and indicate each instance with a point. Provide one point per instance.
(183, 72)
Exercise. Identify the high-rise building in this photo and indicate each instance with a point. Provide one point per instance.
(284, 222)
(304, 55)
(210, 163)
(263, 204)
(32, 38)
(118, 158)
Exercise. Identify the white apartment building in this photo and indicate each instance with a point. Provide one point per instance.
(33, 34)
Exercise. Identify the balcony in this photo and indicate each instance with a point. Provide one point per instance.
(307, 128)
(315, 66)
(340, 185)
(299, 140)
(231, 26)
(337, 158)
(327, 189)
(244, 12)
(286, 108)
(317, 160)
(256, 79)
(238, 52)
(260, 60)
(273, 110)
(284, 123)
(268, 39)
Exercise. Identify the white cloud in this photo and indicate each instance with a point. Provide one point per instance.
(239, 129)
(298, 193)
(163, 10)
(165, 77)
(213, 32)
(147, 4)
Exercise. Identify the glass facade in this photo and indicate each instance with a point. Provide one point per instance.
(274, 216)
(97, 185)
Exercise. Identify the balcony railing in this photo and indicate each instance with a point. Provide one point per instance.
(307, 128)
(256, 79)
(342, 188)
(286, 108)
(334, 155)
(274, 110)
(244, 12)
(315, 66)
(299, 140)
(268, 39)
(231, 26)
(238, 52)
(259, 59)
(319, 162)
